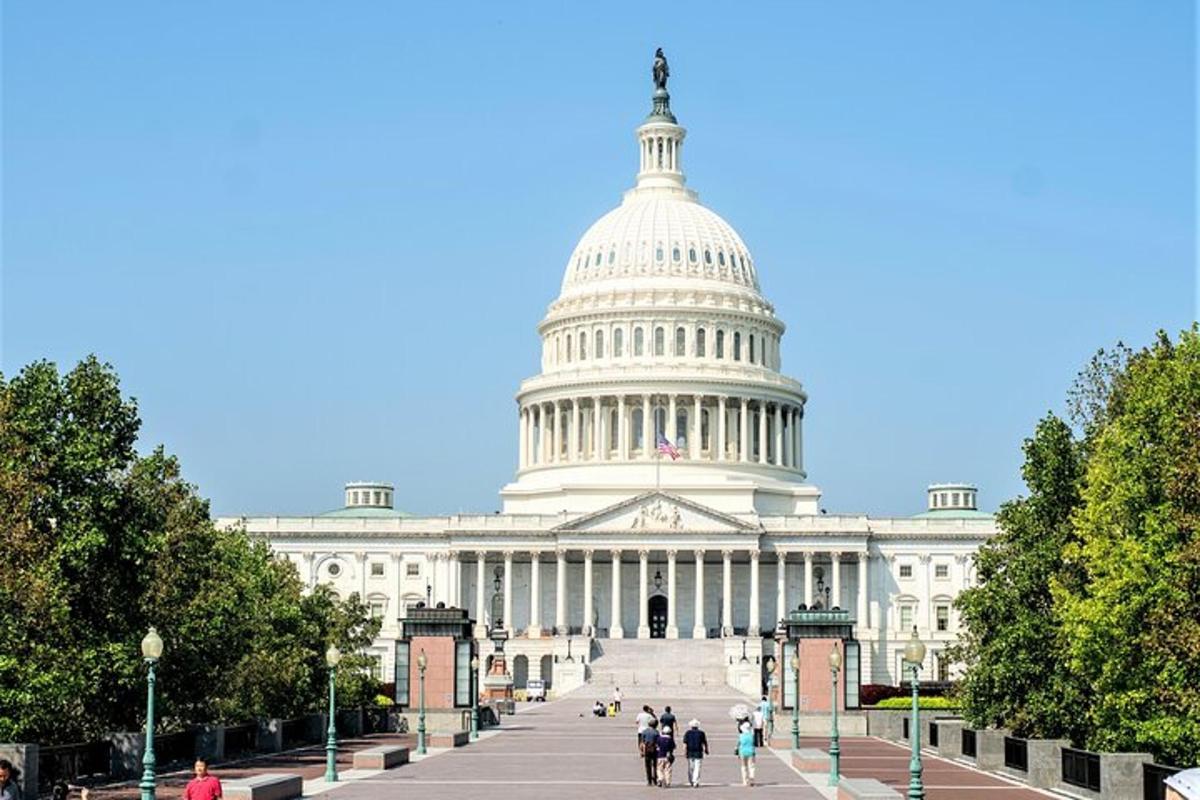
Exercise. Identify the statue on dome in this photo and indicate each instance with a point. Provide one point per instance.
(660, 72)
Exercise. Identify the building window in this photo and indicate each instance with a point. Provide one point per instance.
(675, 254)
(708, 257)
(906, 617)
(412, 569)
(658, 253)
(599, 344)
(377, 609)
(680, 342)
(401, 674)
(692, 254)
(955, 498)
(906, 570)
(462, 673)
(376, 667)
(700, 343)
(335, 569)
(618, 343)
(943, 667)
(720, 344)
(637, 428)
(569, 348)
(751, 359)
(942, 615)
(721, 258)
(659, 342)
(376, 569)
(613, 431)
(354, 498)
(737, 346)
(639, 344)
(941, 571)
(612, 256)
(583, 347)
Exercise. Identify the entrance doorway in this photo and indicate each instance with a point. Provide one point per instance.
(658, 616)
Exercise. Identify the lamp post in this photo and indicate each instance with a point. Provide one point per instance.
(332, 657)
(796, 701)
(152, 647)
(914, 655)
(835, 750)
(474, 697)
(422, 662)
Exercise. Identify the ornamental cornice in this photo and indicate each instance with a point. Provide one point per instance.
(562, 386)
(632, 315)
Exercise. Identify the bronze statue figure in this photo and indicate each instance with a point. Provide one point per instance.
(660, 71)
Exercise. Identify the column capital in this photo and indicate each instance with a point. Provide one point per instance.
(616, 553)
(835, 555)
(535, 555)
(699, 553)
(393, 557)
(781, 555)
(925, 558)
(726, 553)
(754, 555)
(308, 557)
(481, 554)
(360, 556)
(588, 552)
(808, 556)
(962, 558)
(863, 555)
(508, 554)
(439, 556)
(672, 553)
(560, 552)
(643, 554)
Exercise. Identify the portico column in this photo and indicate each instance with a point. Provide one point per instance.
(787, 438)
(720, 428)
(762, 432)
(647, 428)
(835, 566)
(508, 570)
(726, 593)
(794, 462)
(800, 440)
(753, 627)
(863, 621)
(672, 623)
(808, 581)
(744, 431)
(622, 430)
(573, 445)
(614, 627)
(560, 593)
(521, 438)
(779, 435)
(781, 586)
(557, 454)
(480, 603)
(643, 631)
(535, 594)
(696, 442)
(588, 628)
(699, 631)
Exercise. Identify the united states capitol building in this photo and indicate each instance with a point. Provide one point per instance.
(660, 327)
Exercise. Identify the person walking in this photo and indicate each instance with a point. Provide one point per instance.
(666, 756)
(648, 746)
(204, 786)
(643, 721)
(768, 710)
(667, 720)
(758, 721)
(617, 698)
(745, 754)
(696, 746)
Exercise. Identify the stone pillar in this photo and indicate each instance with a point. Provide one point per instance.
(835, 566)
(647, 428)
(778, 435)
(800, 440)
(456, 599)
(597, 429)
(560, 594)
(521, 438)
(614, 627)
(794, 463)
(863, 620)
(787, 438)
(480, 602)
(744, 433)
(643, 631)
(699, 631)
(360, 564)
(726, 593)
(535, 595)
(508, 605)
(781, 586)
(669, 430)
(696, 426)
(755, 611)
(588, 610)
(762, 432)
(672, 623)
(531, 442)
(808, 579)
(721, 437)
(622, 430)
(557, 454)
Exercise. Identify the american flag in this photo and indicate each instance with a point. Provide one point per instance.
(665, 446)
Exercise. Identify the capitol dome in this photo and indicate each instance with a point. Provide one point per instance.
(661, 344)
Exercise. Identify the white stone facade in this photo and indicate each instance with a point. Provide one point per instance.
(659, 328)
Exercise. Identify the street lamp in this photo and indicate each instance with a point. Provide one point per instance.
(422, 662)
(152, 647)
(474, 697)
(332, 657)
(796, 701)
(835, 750)
(914, 655)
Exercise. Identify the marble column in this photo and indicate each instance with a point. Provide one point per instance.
(721, 437)
(480, 601)
(762, 432)
(794, 463)
(778, 436)
(643, 631)
(726, 593)
(835, 566)
(560, 593)
(360, 564)
(781, 585)
(800, 440)
(787, 438)
(669, 430)
(863, 621)
(699, 631)
(573, 445)
(614, 626)
(744, 433)
(672, 618)
(808, 579)
(597, 429)
(558, 434)
(755, 611)
(588, 605)
(535, 595)
(508, 594)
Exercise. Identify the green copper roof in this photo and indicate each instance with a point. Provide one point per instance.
(365, 511)
(953, 513)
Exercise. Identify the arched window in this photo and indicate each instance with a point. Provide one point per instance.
(569, 347)
(658, 253)
(705, 436)
(637, 428)
(612, 256)
(720, 344)
(660, 421)
(597, 259)
(557, 349)
(700, 333)
(675, 254)
(614, 431)
(680, 342)
(737, 346)
(708, 257)
(599, 344)
(681, 427)
(692, 254)
(618, 343)
(639, 344)
(583, 346)
(659, 343)
(721, 258)
(751, 359)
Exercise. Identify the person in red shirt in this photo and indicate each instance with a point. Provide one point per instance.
(203, 786)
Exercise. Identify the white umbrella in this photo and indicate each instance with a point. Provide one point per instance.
(740, 711)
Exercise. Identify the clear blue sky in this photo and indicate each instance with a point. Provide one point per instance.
(315, 238)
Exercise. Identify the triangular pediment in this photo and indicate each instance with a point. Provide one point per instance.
(657, 512)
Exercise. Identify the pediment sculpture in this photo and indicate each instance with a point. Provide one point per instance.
(657, 516)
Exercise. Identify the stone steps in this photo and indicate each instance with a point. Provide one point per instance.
(649, 667)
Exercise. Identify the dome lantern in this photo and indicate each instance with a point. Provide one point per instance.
(660, 139)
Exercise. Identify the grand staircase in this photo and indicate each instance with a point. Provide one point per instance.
(659, 668)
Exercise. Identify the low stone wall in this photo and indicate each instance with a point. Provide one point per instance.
(439, 720)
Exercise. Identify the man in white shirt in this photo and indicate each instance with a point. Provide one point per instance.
(617, 699)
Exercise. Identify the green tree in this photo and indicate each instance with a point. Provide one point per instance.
(1131, 611)
(1012, 643)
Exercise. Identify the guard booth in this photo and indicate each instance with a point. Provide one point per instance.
(812, 634)
(444, 635)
